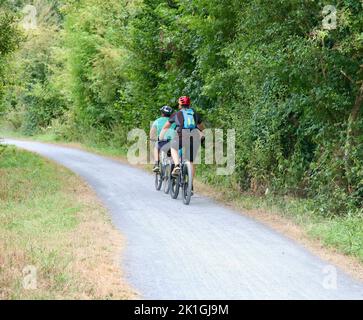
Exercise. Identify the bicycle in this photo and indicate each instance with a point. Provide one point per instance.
(184, 181)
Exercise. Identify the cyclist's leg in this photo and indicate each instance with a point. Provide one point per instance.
(191, 156)
(175, 146)
(156, 153)
(193, 149)
(175, 155)
(156, 157)
(158, 146)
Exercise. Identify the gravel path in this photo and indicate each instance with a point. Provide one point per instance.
(201, 251)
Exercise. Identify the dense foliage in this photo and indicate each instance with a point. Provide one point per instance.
(291, 89)
(10, 37)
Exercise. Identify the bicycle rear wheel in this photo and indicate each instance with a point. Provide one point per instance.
(174, 186)
(158, 181)
(187, 182)
(159, 178)
(167, 178)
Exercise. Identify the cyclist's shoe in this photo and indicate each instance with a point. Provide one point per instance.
(156, 168)
(176, 171)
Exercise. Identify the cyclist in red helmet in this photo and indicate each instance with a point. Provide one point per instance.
(186, 119)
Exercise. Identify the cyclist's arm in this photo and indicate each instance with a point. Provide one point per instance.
(201, 126)
(199, 121)
(153, 133)
(167, 126)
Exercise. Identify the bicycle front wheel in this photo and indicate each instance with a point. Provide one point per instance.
(187, 182)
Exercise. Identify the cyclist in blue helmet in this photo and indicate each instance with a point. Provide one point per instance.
(155, 131)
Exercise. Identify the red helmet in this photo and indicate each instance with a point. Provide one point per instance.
(184, 100)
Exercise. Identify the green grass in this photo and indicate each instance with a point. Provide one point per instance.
(45, 224)
(34, 213)
(342, 233)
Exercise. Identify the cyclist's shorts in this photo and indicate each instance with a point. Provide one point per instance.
(162, 145)
(188, 144)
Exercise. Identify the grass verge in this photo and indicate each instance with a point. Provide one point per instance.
(56, 241)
